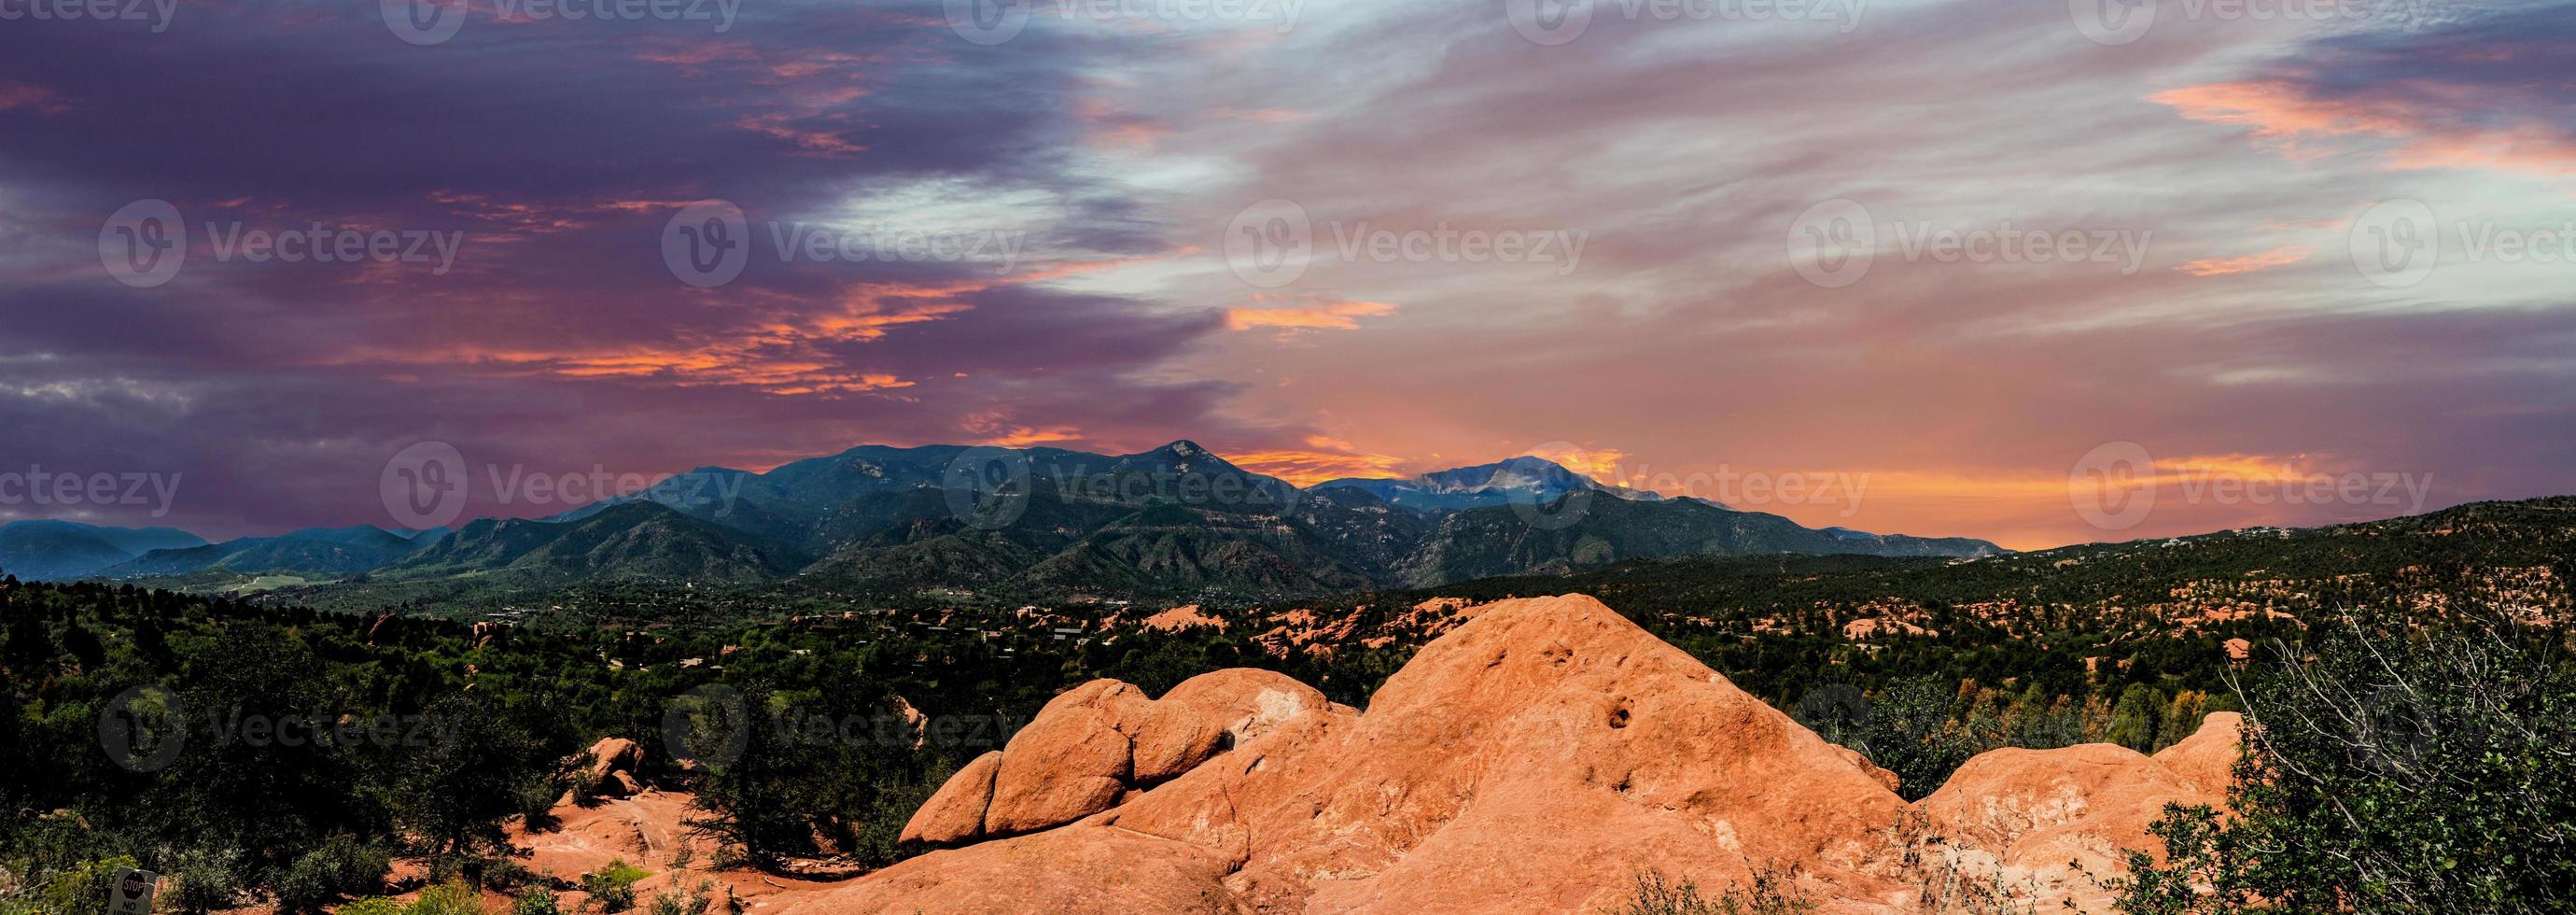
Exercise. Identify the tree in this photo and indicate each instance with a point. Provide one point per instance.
(2133, 719)
(1908, 732)
(2389, 767)
(465, 774)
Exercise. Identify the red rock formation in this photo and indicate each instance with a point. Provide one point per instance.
(1532, 760)
(1093, 745)
(2034, 812)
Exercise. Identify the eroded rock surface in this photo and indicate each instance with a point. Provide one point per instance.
(1532, 760)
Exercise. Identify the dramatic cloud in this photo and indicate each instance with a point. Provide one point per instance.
(1937, 254)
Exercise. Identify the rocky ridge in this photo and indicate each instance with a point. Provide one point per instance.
(1534, 759)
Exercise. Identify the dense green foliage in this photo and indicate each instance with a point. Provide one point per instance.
(290, 753)
(2390, 767)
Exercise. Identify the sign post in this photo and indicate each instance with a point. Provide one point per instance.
(132, 894)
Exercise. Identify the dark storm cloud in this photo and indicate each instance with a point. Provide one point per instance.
(554, 152)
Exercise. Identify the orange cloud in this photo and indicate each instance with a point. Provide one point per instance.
(1024, 436)
(1319, 316)
(1332, 459)
(2424, 134)
(2282, 256)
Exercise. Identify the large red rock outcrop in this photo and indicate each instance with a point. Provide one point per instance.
(1096, 743)
(1532, 760)
(1528, 761)
(2033, 813)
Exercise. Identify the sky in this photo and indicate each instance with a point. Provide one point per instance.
(2038, 272)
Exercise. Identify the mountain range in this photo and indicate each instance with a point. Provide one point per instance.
(1174, 521)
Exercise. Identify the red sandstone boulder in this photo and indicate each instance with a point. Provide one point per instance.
(1066, 765)
(1529, 761)
(956, 812)
(2208, 757)
(1532, 760)
(2032, 813)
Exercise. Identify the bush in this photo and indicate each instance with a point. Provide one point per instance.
(612, 888)
(1772, 893)
(673, 902)
(446, 899)
(203, 883)
(1907, 730)
(2389, 768)
(341, 866)
(372, 905)
(79, 888)
(536, 901)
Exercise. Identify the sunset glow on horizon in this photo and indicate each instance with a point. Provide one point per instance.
(1933, 267)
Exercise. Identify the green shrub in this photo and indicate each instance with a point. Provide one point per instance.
(536, 901)
(612, 888)
(372, 905)
(79, 888)
(446, 899)
(203, 882)
(674, 902)
(2388, 766)
(340, 866)
(1772, 893)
